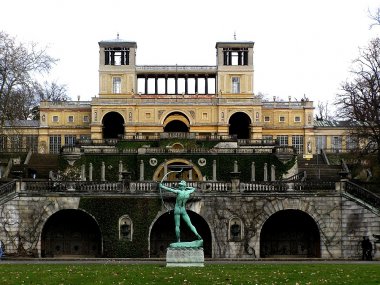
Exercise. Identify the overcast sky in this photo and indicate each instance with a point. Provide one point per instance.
(301, 46)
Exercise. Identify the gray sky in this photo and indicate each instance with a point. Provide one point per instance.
(301, 46)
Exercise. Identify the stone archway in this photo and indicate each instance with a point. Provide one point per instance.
(176, 122)
(196, 174)
(113, 125)
(71, 233)
(163, 233)
(290, 233)
(239, 125)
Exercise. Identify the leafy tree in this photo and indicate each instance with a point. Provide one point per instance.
(19, 66)
(359, 101)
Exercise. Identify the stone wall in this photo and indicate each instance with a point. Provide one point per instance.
(342, 221)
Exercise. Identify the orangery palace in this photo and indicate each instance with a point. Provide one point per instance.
(82, 180)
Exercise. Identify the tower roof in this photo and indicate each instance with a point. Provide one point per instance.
(117, 43)
(247, 44)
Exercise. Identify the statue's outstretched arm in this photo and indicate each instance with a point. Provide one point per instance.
(168, 188)
(190, 189)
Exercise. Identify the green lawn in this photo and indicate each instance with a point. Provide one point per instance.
(363, 274)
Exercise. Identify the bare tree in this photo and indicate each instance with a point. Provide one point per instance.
(375, 17)
(19, 65)
(359, 101)
(323, 111)
(48, 91)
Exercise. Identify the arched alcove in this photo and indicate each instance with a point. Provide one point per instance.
(113, 125)
(176, 122)
(176, 127)
(290, 233)
(239, 125)
(71, 233)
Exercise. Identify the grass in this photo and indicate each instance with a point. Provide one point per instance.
(365, 274)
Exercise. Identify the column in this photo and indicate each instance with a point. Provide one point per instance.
(83, 173)
(206, 84)
(156, 85)
(265, 172)
(120, 170)
(103, 172)
(186, 86)
(146, 85)
(166, 84)
(273, 172)
(196, 84)
(253, 171)
(141, 170)
(214, 170)
(90, 169)
(190, 173)
(176, 84)
(236, 169)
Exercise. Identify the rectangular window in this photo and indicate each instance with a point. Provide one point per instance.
(266, 119)
(235, 85)
(267, 139)
(297, 143)
(283, 140)
(116, 85)
(70, 140)
(16, 143)
(55, 119)
(336, 143)
(351, 143)
(320, 142)
(86, 119)
(70, 119)
(55, 144)
(297, 119)
(32, 143)
(281, 119)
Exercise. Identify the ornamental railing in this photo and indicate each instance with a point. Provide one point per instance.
(103, 187)
(363, 194)
(7, 188)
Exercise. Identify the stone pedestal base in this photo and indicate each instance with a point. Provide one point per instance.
(185, 257)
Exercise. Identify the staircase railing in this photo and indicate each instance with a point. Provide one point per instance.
(7, 188)
(363, 194)
(300, 176)
(324, 156)
(28, 156)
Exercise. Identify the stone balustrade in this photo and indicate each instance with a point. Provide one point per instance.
(146, 187)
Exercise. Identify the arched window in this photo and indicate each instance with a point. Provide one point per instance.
(235, 232)
(125, 228)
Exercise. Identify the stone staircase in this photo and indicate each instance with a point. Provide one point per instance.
(39, 164)
(317, 169)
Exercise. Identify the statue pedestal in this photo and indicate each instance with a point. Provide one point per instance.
(184, 257)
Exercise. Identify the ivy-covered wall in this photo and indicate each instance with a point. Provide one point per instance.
(107, 212)
(224, 163)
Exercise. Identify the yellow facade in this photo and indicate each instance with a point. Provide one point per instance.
(198, 101)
